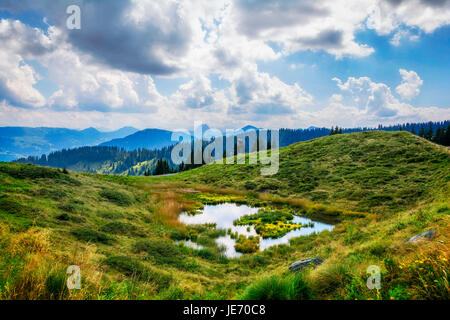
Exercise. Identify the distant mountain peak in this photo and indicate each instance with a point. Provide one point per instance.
(249, 127)
(90, 129)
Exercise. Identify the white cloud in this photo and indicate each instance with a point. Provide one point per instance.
(388, 15)
(368, 102)
(260, 95)
(306, 25)
(17, 78)
(198, 94)
(401, 35)
(109, 65)
(410, 86)
(83, 83)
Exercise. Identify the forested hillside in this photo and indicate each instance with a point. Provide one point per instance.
(142, 161)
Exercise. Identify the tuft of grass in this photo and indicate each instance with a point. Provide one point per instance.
(117, 227)
(111, 215)
(277, 287)
(88, 235)
(56, 286)
(117, 197)
(330, 278)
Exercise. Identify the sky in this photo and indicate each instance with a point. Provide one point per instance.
(227, 63)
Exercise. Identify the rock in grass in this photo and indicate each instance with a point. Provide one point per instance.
(299, 265)
(428, 235)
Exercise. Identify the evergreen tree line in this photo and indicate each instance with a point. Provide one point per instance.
(336, 130)
(439, 134)
(124, 161)
(162, 167)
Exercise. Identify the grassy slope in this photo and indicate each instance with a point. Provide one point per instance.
(374, 171)
(117, 229)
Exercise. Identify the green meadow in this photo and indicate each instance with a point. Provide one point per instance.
(377, 188)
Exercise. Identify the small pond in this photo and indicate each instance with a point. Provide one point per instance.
(223, 216)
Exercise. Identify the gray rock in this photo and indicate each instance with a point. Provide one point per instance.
(299, 265)
(429, 235)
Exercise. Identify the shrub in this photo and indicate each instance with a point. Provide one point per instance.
(85, 234)
(250, 185)
(278, 287)
(162, 252)
(116, 197)
(11, 206)
(67, 217)
(35, 172)
(247, 245)
(29, 171)
(52, 194)
(72, 208)
(126, 265)
(112, 215)
(63, 217)
(119, 228)
(206, 253)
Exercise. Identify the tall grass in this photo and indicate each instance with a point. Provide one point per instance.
(278, 287)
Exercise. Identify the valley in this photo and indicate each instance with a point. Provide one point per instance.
(132, 239)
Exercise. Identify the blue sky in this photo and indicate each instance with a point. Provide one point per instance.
(228, 63)
(429, 57)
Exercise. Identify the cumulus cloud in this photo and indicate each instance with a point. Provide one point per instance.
(369, 102)
(83, 83)
(410, 86)
(199, 94)
(108, 65)
(146, 37)
(305, 25)
(427, 15)
(257, 93)
(17, 78)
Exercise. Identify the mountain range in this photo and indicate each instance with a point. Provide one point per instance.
(17, 142)
(23, 142)
(148, 139)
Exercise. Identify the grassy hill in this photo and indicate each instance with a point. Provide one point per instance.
(369, 171)
(120, 230)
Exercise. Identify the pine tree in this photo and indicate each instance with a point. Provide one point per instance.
(422, 131)
(446, 136)
(437, 138)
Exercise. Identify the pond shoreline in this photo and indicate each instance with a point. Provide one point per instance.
(225, 214)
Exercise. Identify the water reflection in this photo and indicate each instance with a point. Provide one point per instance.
(223, 216)
(190, 244)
